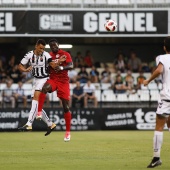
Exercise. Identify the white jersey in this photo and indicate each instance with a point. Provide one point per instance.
(39, 63)
(165, 92)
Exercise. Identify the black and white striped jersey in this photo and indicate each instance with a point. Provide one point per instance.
(39, 63)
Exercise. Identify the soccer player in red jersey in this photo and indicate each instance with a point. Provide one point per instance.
(59, 81)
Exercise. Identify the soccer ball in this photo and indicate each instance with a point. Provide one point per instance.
(110, 25)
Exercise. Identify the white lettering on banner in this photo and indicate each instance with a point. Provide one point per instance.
(145, 120)
(24, 114)
(9, 125)
(55, 22)
(90, 24)
(130, 22)
(4, 115)
(6, 22)
(119, 119)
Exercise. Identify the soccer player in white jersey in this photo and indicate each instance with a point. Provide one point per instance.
(39, 61)
(163, 109)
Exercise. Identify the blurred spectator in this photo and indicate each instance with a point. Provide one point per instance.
(140, 80)
(19, 95)
(94, 75)
(88, 59)
(83, 75)
(119, 87)
(11, 63)
(129, 80)
(15, 74)
(3, 58)
(145, 67)
(106, 75)
(134, 63)
(72, 74)
(8, 94)
(78, 95)
(117, 75)
(89, 90)
(120, 63)
(2, 71)
(78, 60)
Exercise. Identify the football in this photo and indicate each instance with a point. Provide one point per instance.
(110, 25)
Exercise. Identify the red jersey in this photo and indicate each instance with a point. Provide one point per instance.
(61, 76)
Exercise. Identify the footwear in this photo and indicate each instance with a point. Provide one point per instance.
(50, 129)
(155, 162)
(67, 137)
(39, 116)
(25, 128)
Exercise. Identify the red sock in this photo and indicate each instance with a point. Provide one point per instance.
(67, 117)
(41, 102)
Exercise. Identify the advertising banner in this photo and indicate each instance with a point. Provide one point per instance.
(85, 119)
(79, 23)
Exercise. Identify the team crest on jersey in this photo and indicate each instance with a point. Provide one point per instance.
(57, 56)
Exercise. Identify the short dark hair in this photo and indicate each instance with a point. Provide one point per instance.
(41, 41)
(52, 40)
(167, 43)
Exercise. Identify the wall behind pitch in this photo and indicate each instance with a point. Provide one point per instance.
(84, 119)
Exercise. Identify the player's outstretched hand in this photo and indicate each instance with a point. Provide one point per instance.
(145, 82)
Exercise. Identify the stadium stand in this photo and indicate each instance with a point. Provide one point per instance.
(84, 4)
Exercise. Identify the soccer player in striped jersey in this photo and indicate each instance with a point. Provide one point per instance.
(38, 59)
(163, 109)
(59, 81)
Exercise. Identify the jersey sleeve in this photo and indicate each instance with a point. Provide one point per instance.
(161, 60)
(26, 59)
(47, 55)
(157, 60)
(68, 57)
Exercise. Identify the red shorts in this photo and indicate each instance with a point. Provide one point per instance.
(62, 88)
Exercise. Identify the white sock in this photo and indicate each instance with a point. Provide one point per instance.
(33, 112)
(157, 143)
(45, 118)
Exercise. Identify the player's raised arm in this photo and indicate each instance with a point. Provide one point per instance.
(155, 74)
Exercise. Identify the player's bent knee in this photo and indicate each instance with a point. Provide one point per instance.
(47, 88)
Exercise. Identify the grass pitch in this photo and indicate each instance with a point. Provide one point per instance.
(90, 150)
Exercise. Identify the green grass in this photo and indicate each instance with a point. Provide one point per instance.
(90, 150)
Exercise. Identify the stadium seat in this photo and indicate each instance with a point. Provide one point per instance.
(144, 1)
(108, 96)
(154, 95)
(144, 95)
(160, 86)
(105, 86)
(20, 2)
(122, 97)
(167, 1)
(152, 86)
(54, 1)
(89, 2)
(65, 2)
(42, 1)
(134, 97)
(158, 1)
(2, 86)
(100, 2)
(113, 2)
(7, 1)
(124, 2)
(27, 89)
(98, 95)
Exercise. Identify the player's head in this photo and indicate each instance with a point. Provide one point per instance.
(167, 44)
(40, 46)
(54, 45)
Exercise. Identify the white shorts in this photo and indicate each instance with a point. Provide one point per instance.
(163, 108)
(38, 84)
